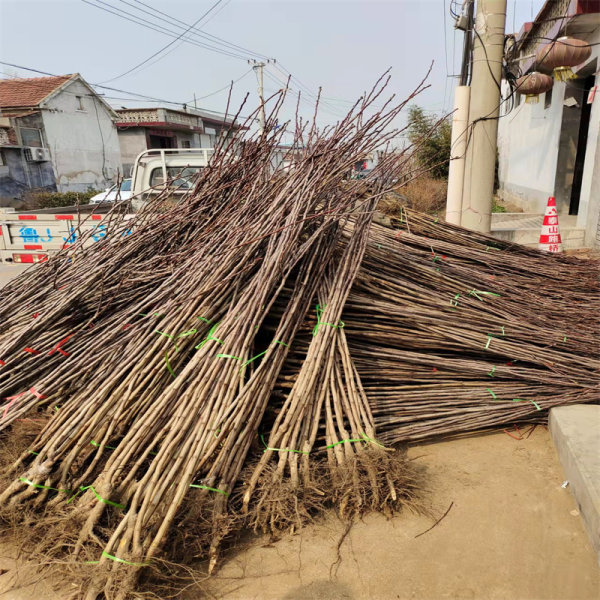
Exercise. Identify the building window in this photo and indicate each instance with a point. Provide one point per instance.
(186, 144)
(79, 103)
(31, 137)
(548, 99)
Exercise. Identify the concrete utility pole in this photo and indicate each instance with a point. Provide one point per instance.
(458, 149)
(483, 112)
(258, 69)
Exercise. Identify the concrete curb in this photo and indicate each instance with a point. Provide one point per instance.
(576, 434)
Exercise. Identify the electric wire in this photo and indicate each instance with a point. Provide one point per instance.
(156, 27)
(163, 48)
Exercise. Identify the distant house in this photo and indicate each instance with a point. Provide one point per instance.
(552, 148)
(56, 133)
(146, 128)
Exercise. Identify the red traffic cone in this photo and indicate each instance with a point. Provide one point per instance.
(550, 237)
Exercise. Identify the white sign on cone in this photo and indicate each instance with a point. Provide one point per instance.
(550, 237)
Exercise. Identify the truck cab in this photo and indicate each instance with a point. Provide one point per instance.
(177, 168)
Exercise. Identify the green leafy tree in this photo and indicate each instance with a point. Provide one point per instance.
(432, 143)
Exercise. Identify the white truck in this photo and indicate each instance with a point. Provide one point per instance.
(31, 236)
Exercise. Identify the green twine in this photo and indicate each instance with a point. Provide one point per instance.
(319, 322)
(364, 438)
(204, 319)
(169, 368)
(262, 353)
(489, 341)
(42, 487)
(116, 559)
(479, 293)
(210, 489)
(454, 301)
(82, 488)
(186, 333)
(93, 443)
(491, 373)
(516, 399)
(565, 339)
(532, 402)
(228, 356)
(169, 336)
(32, 452)
(281, 449)
(210, 337)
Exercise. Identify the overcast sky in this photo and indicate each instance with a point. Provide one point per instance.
(340, 45)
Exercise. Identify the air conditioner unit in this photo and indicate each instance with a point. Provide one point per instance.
(33, 154)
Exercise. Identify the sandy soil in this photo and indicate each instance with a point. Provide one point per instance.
(512, 533)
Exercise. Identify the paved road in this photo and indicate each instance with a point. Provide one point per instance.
(7, 272)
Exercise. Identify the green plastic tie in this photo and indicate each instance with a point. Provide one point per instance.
(489, 341)
(491, 373)
(281, 449)
(492, 393)
(319, 322)
(32, 452)
(532, 402)
(82, 488)
(169, 336)
(204, 319)
(210, 489)
(264, 352)
(228, 356)
(364, 438)
(186, 333)
(210, 337)
(169, 368)
(479, 293)
(94, 443)
(565, 339)
(42, 487)
(116, 559)
(454, 301)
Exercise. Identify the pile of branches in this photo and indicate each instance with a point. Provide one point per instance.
(246, 357)
(148, 360)
(452, 331)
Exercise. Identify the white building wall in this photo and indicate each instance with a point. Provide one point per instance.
(528, 139)
(589, 201)
(83, 143)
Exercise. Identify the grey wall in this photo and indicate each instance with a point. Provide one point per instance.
(83, 143)
(132, 142)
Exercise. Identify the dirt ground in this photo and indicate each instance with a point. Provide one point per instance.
(512, 533)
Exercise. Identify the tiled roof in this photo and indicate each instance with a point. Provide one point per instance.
(28, 92)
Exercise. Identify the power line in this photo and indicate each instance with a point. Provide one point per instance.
(205, 14)
(113, 89)
(156, 27)
(200, 33)
(225, 87)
